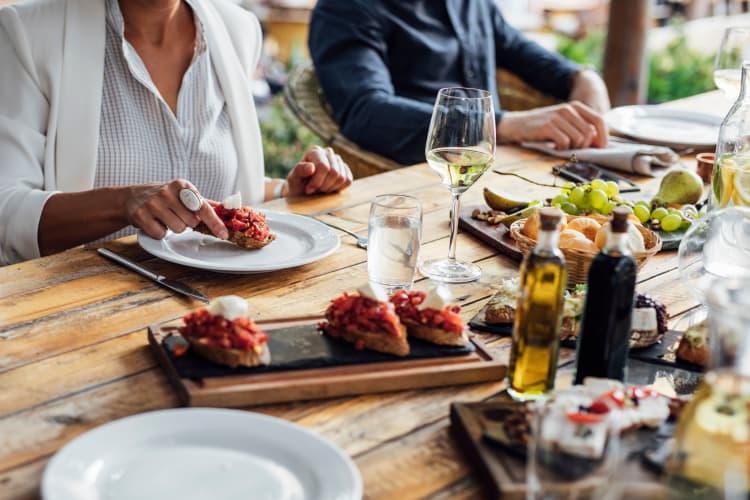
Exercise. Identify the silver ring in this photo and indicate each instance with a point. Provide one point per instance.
(190, 199)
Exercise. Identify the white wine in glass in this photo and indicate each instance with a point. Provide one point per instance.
(460, 148)
(733, 51)
(459, 168)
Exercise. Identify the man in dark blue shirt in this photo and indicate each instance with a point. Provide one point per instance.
(382, 62)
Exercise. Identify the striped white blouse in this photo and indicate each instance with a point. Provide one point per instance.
(141, 140)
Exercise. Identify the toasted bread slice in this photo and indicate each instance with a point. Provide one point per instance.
(231, 357)
(379, 341)
(239, 238)
(498, 313)
(692, 353)
(436, 335)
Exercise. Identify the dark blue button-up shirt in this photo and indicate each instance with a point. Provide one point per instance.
(382, 62)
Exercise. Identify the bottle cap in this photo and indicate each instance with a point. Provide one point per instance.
(549, 218)
(620, 221)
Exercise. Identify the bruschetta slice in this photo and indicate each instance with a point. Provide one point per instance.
(223, 333)
(431, 316)
(366, 321)
(247, 227)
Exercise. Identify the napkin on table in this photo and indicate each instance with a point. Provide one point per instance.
(626, 157)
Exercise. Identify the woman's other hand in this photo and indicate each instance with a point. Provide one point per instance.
(154, 208)
(319, 171)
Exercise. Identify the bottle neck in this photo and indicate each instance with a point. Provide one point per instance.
(547, 241)
(745, 83)
(617, 243)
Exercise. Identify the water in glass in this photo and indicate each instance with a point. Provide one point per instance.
(394, 237)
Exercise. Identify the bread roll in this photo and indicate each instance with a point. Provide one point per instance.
(531, 226)
(573, 240)
(635, 238)
(585, 225)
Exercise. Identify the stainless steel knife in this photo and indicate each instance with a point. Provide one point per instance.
(173, 285)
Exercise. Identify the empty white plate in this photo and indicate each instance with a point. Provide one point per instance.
(200, 454)
(299, 240)
(674, 128)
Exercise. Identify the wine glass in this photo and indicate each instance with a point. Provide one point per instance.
(460, 148)
(734, 49)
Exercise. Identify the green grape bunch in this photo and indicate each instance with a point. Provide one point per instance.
(601, 197)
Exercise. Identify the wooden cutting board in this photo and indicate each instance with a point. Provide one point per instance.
(503, 474)
(495, 235)
(315, 367)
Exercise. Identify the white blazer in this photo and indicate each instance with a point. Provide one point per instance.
(51, 71)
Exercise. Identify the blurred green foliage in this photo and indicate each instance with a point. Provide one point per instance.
(285, 139)
(674, 72)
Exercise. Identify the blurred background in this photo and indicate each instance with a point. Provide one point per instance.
(682, 37)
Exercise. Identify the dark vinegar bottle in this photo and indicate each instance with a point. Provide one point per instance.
(605, 328)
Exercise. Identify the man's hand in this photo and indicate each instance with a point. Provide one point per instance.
(590, 89)
(569, 125)
(319, 171)
(154, 208)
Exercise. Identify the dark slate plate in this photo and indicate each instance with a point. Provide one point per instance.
(663, 353)
(303, 347)
(479, 323)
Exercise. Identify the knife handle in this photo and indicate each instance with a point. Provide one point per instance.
(125, 262)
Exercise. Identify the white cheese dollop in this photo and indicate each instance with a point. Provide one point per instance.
(438, 297)
(372, 292)
(233, 201)
(230, 307)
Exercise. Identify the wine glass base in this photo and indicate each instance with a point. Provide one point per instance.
(450, 271)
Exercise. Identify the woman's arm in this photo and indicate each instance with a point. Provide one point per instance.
(71, 219)
(319, 171)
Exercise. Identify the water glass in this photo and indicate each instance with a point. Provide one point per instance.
(571, 455)
(394, 238)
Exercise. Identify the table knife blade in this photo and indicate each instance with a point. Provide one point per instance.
(173, 285)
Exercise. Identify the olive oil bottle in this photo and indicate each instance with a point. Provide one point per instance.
(538, 319)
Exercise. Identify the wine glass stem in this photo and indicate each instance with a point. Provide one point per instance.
(455, 207)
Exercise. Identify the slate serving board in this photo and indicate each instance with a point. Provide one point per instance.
(301, 347)
(308, 366)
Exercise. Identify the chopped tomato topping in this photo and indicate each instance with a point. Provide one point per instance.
(244, 220)
(585, 418)
(179, 349)
(217, 331)
(356, 313)
(617, 396)
(599, 407)
(406, 307)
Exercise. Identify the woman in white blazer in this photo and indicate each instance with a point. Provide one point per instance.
(52, 60)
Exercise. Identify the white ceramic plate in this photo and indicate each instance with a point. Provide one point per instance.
(674, 128)
(200, 453)
(299, 240)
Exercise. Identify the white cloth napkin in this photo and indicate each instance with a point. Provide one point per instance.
(632, 158)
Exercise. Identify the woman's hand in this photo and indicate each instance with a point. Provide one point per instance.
(154, 208)
(319, 171)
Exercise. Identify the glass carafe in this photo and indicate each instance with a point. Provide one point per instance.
(730, 184)
(711, 453)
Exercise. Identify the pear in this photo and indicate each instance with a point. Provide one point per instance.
(679, 187)
(503, 201)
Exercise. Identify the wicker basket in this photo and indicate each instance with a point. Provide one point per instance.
(579, 261)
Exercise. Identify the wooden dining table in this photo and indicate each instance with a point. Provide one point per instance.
(74, 353)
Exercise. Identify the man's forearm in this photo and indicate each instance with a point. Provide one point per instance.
(71, 219)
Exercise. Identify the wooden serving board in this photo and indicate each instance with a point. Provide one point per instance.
(503, 473)
(247, 386)
(496, 236)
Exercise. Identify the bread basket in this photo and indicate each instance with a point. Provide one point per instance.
(578, 261)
